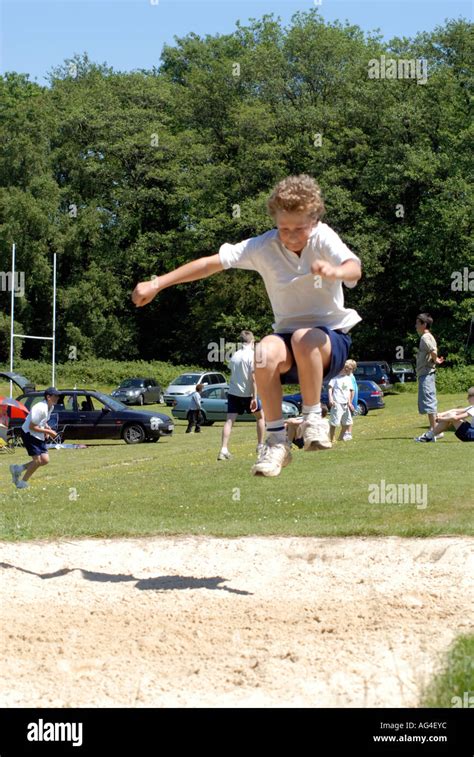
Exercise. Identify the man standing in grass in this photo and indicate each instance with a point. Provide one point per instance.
(426, 361)
(303, 263)
(34, 431)
(242, 397)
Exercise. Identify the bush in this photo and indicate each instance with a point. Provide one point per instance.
(454, 380)
(448, 381)
(87, 373)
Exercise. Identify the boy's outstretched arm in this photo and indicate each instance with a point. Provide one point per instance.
(146, 291)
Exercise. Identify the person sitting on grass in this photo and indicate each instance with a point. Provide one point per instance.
(34, 431)
(340, 396)
(303, 263)
(461, 418)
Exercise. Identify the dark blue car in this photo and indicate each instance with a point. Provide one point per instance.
(370, 397)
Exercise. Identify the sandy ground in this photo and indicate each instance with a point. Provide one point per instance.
(197, 621)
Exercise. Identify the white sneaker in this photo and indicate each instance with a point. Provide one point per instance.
(425, 438)
(260, 450)
(347, 437)
(16, 470)
(272, 459)
(316, 433)
(22, 485)
(224, 455)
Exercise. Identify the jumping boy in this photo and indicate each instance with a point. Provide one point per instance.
(34, 431)
(303, 263)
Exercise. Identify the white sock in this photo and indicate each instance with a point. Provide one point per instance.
(311, 409)
(224, 449)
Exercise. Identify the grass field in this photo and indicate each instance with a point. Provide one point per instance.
(454, 684)
(177, 486)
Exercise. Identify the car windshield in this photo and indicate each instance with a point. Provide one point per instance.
(186, 379)
(131, 382)
(111, 402)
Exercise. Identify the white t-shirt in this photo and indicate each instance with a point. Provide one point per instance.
(341, 389)
(241, 367)
(39, 415)
(470, 411)
(298, 299)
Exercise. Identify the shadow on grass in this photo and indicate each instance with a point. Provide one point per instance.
(160, 583)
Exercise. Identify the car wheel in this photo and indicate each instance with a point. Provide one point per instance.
(141, 400)
(134, 433)
(362, 408)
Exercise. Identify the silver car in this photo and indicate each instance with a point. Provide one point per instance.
(214, 406)
(186, 384)
(139, 391)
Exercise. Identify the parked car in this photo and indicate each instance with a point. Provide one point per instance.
(402, 371)
(186, 384)
(214, 406)
(139, 391)
(374, 370)
(370, 397)
(87, 414)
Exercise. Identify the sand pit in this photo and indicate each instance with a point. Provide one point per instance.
(196, 621)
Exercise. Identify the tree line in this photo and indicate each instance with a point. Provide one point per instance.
(129, 174)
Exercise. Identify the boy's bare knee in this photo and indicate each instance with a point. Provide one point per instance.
(270, 352)
(306, 340)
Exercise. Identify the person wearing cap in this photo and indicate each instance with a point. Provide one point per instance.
(34, 432)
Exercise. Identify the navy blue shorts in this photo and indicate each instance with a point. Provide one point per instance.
(465, 432)
(340, 346)
(33, 445)
(240, 405)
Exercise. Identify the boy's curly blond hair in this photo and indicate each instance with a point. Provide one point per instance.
(298, 194)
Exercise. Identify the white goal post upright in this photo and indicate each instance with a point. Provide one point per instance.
(27, 336)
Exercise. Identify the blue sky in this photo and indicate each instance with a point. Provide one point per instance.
(36, 35)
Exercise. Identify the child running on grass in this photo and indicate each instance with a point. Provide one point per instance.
(303, 263)
(34, 431)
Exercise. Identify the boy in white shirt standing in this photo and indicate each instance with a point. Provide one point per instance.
(341, 395)
(303, 263)
(34, 432)
(242, 396)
